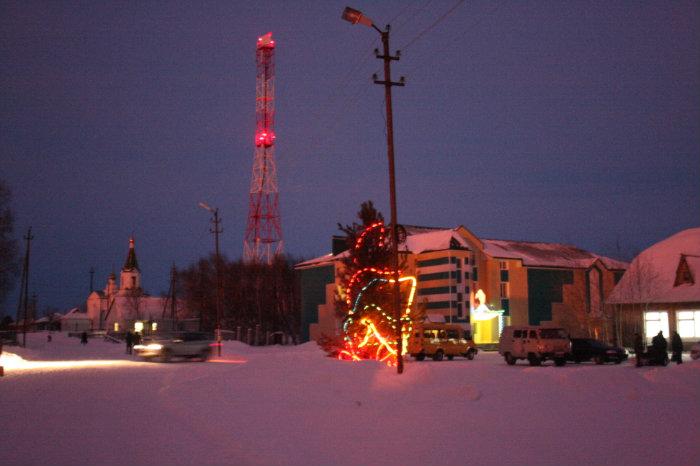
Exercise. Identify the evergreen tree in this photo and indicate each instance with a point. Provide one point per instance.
(364, 300)
(8, 245)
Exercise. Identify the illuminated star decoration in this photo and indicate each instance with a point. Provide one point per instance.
(370, 332)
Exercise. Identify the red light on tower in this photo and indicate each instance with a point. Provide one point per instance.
(263, 236)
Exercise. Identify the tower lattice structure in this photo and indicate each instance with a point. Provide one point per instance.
(263, 236)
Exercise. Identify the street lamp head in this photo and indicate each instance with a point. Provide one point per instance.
(205, 207)
(355, 16)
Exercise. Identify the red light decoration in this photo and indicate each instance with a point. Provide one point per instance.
(370, 332)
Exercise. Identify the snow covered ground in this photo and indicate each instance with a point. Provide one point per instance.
(294, 406)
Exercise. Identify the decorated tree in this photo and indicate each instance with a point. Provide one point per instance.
(363, 302)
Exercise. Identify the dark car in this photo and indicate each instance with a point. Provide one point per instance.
(587, 349)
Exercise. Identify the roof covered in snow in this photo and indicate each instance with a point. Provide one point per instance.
(652, 275)
(75, 314)
(547, 254)
(437, 240)
(424, 239)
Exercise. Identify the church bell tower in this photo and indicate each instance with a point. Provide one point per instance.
(130, 277)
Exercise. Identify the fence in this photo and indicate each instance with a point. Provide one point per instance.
(255, 336)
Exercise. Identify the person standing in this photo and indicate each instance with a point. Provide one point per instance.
(83, 338)
(129, 341)
(677, 348)
(638, 348)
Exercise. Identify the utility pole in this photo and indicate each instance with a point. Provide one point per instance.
(354, 16)
(22, 307)
(216, 230)
(173, 297)
(388, 83)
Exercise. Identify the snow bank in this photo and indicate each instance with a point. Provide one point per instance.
(295, 406)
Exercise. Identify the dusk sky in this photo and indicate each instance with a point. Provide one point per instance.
(574, 122)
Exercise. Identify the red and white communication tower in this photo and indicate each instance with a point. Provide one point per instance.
(263, 235)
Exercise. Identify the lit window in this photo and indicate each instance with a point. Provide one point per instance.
(504, 290)
(655, 322)
(154, 326)
(138, 326)
(688, 324)
(116, 326)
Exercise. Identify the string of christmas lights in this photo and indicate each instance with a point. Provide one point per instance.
(369, 331)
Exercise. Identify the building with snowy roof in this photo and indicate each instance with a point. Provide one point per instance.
(126, 306)
(661, 290)
(485, 283)
(75, 321)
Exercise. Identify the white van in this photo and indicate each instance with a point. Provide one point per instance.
(534, 343)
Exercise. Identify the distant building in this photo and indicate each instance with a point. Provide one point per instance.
(661, 290)
(75, 321)
(126, 306)
(486, 283)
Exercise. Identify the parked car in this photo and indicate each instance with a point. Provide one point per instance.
(534, 343)
(438, 340)
(587, 349)
(164, 347)
(695, 351)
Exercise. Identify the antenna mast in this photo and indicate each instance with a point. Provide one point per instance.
(263, 236)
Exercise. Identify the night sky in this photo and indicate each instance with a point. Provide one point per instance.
(574, 122)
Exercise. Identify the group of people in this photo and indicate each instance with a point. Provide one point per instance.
(660, 347)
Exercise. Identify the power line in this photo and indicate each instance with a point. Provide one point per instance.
(469, 28)
(435, 23)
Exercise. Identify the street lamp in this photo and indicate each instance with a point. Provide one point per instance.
(354, 16)
(216, 230)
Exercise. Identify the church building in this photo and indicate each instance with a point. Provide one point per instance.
(126, 306)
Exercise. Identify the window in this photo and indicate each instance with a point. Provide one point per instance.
(503, 265)
(517, 333)
(116, 326)
(688, 324)
(430, 262)
(504, 275)
(453, 289)
(438, 305)
(553, 333)
(654, 322)
(533, 333)
(436, 290)
(459, 310)
(433, 276)
(475, 274)
(683, 274)
(466, 275)
(504, 290)
(452, 333)
(505, 305)
(133, 282)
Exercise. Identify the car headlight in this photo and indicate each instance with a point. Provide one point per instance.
(149, 347)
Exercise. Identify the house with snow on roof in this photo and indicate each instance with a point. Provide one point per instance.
(661, 290)
(483, 283)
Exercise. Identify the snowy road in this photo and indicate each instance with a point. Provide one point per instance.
(279, 406)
